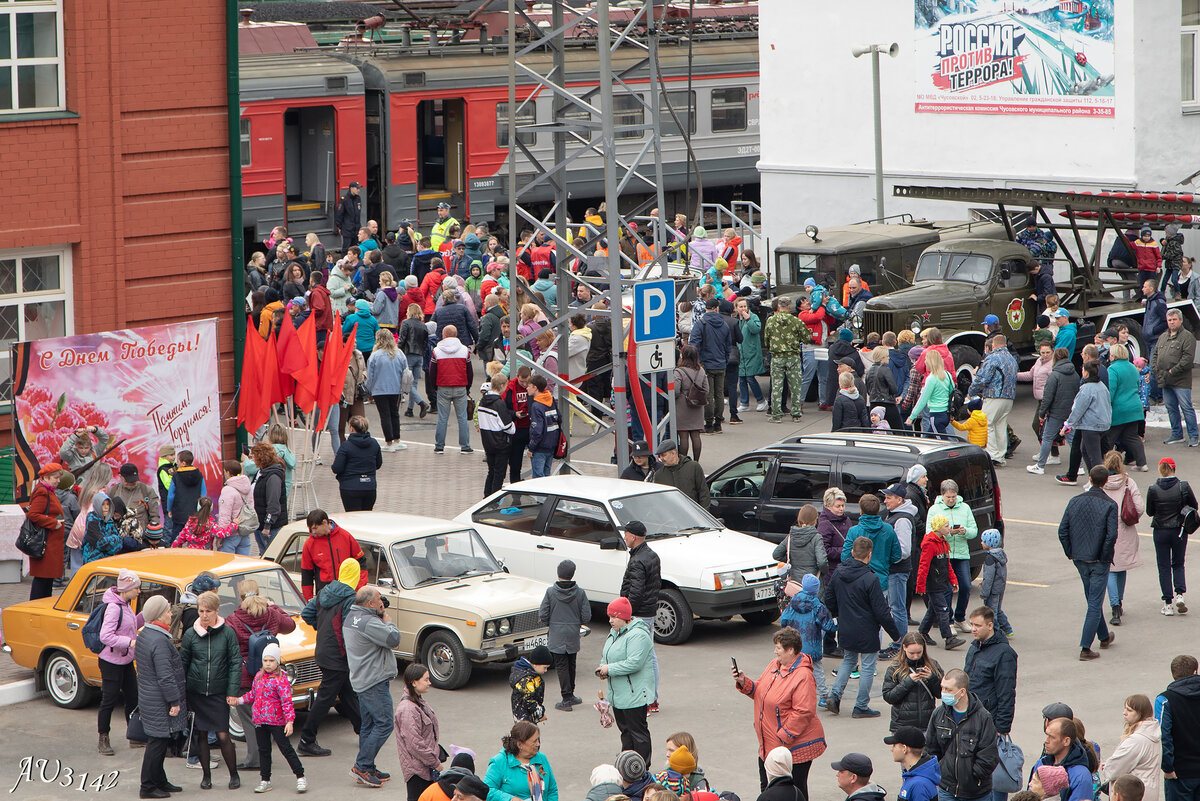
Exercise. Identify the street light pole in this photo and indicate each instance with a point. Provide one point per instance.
(875, 49)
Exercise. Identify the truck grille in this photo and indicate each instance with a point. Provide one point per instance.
(877, 322)
(525, 621)
(307, 671)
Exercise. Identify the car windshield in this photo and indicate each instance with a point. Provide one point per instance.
(665, 514)
(442, 557)
(943, 266)
(273, 584)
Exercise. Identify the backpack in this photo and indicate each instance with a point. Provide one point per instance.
(247, 519)
(91, 629)
(696, 395)
(255, 646)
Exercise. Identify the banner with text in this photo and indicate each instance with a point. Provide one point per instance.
(141, 388)
(1004, 57)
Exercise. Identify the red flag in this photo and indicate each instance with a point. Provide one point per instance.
(249, 394)
(272, 391)
(290, 352)
(337, 379)
(327, 393)
(306, 378)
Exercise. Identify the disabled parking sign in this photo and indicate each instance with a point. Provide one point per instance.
(653, 311)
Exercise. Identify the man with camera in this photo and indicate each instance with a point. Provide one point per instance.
(370, 638)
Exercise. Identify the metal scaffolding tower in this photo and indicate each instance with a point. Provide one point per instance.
(591, 113)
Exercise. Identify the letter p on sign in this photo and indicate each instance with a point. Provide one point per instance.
(654, 311)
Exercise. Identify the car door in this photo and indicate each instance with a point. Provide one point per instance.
(380, 574)
(574, 530)
(511, 525)
(795, 482)
(736, 492)
(861, 475)
(77, 615)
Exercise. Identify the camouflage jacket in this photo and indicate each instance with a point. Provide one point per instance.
(784, 335)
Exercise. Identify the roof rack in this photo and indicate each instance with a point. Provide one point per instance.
(930, 435)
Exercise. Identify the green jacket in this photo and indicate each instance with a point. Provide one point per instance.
(212, 663)
(1123, 392)
(750, 348)
(630, 670)
(960, 515)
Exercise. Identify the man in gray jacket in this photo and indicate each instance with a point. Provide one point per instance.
(1171, 365)
(565, 609)
(369, 639)
(138, 496)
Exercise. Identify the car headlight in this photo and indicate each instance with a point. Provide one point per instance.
(505, 625)
(732, 578)
(290, 672)
(915, 327)
(490, 629)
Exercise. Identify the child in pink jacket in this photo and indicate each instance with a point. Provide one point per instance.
(271, 697)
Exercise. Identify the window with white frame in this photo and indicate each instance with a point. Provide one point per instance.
(35, 302)
(32, 75)
(1189, 53)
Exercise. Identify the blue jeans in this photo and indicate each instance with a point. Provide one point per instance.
(865, 679)
(649, 621)
(897, 595)
(375, 708)
(1095, 580)
(1050, 430)
(819, 676)
(962, 570)
(1181, 789)
(264, 542)
(994, 603)
(1116, 586)
(808, 370)
(416, 363)
(539, 462)
(746, 385)
(236, 543)
(456, 397)
(1179, 402)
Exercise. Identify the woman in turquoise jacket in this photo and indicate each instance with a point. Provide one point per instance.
(1127, 411)
(936, 392)
(627, 663)
(962, 529)
(521, 772)
(751, 364)
(364, 338)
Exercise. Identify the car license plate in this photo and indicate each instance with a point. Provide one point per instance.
(763, 593)
(534, 642)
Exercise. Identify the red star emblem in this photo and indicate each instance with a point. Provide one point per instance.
(926, 317)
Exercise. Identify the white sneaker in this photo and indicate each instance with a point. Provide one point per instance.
(1053, 460)
(399, 446)
(743, 407)
(1168, 610)
(762, 407)
(962, 626)
(264, 786)
(1180, 606)
(301, 785)
(1037, 471)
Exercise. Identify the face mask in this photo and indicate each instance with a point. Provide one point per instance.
(949, 699)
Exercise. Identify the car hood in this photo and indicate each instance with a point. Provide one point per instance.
(299, 644)
(485, 596)
(925, 294)
(716, 550)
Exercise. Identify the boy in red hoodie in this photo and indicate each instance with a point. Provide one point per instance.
(516, 398)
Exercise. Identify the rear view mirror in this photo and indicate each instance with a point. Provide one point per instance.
(610, 544)
(1005, 273)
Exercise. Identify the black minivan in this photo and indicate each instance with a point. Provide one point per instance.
(761, 492)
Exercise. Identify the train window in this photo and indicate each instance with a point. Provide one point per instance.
(573, 112)
(684, 105)
(526, 115)
(628, 110)
(245, 142)
(729, 109)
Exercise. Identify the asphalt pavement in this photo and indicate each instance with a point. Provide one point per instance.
(1044, 602)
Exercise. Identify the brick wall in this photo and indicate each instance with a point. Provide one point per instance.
(138, 185)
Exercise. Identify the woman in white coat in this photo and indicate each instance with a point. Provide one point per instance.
(1125, 555)
(1140, 749)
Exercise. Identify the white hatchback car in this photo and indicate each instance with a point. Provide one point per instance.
(708, 571)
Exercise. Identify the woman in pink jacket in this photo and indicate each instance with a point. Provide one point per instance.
(118, 633)
(1125, 553)
(1037, 373)
(417, 733)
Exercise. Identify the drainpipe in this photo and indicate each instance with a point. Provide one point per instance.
(237, 243)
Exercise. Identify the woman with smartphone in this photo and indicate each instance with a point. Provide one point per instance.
(913, 684)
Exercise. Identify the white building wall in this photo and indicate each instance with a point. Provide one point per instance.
(817, 160)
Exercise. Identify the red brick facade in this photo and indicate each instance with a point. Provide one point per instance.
(138, 184)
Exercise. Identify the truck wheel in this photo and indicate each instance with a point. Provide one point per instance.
(64, 683)
(673, 621)
(966, 362)
(763, 617)
(446, 659)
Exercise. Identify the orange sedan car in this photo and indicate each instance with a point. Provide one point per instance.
(46, 635)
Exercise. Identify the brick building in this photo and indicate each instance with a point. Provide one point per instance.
(114, 152)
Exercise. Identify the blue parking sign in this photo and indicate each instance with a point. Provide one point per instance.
(654, 311)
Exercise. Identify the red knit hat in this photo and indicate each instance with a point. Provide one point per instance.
(621, 608)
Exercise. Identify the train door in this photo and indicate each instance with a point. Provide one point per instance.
(441, 156)
(377, 159)
(309, 167)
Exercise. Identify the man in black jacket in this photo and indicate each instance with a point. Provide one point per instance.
(640, 584)
(1088, 533)
(496, 428)
(856, 599)
(1181, 731)
(325, 613)
(348, 216)
(991, 665)
(963, 738)
(640, 462)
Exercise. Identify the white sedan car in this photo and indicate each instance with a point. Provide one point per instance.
(708, 571)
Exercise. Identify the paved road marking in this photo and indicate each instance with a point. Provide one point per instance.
(1053, 525)
(1027, 584)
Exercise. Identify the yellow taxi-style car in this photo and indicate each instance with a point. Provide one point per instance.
(46, 635)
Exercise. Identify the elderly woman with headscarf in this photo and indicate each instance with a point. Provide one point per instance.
(780, 784)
